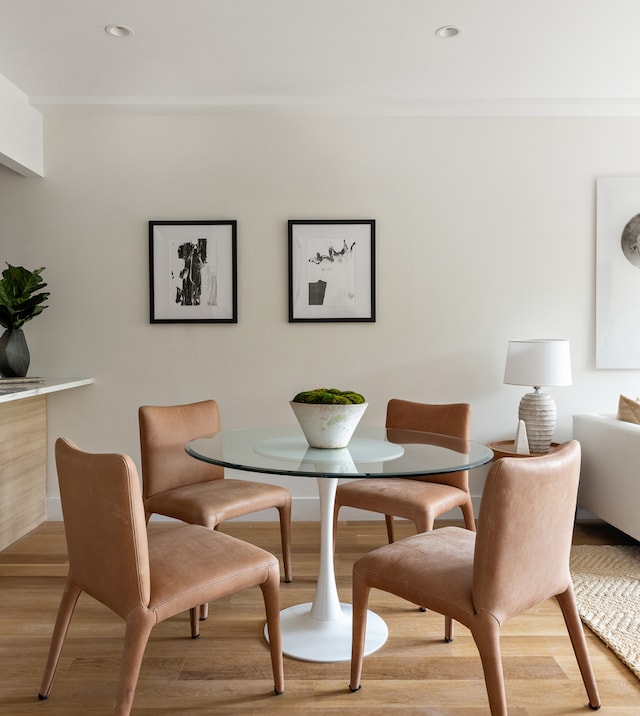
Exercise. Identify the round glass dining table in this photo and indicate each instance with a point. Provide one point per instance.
(321, 630)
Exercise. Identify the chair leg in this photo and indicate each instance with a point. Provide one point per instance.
(567, 602)
(424, 522)
(203, 613)
(194, 618)
(448, 629)
(65, 611)
(336, 509)
(139, 625)
(285, 538)
(360, 598)
(467, 513)
(486, 634)
(271, 595)
(390, 531)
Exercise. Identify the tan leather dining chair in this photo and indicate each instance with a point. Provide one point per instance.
(145, 579)
(518, 558)
(419, 499)
(177, 485)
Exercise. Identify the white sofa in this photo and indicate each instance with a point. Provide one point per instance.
(610, 473)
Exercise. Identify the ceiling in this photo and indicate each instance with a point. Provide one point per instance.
(577, 56)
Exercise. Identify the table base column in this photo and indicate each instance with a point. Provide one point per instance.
(321, 630)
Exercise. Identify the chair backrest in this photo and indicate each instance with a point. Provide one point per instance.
(105, 527)
(164, 430)
(525, 528)
(453, 419)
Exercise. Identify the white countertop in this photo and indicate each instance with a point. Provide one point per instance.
(18, 391)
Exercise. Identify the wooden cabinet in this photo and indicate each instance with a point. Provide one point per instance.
(23, 456)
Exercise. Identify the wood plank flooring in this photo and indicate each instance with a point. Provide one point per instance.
(226, 670)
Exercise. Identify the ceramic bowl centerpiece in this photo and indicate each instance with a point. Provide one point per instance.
(328, 416)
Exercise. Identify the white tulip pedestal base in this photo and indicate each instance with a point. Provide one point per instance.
(321, 630)
(309, 639)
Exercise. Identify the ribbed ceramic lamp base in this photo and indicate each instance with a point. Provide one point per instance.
(538, 411)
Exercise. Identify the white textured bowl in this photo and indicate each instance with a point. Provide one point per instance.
(328, 425)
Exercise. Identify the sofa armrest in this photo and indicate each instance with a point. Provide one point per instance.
(610, 472)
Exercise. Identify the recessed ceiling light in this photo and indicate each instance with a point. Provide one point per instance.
(118, 30)
(448, 31)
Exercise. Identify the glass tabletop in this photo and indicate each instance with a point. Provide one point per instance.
(372, 452)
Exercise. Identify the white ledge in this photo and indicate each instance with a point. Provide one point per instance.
(20, 391)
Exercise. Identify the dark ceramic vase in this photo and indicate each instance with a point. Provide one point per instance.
(14, 354)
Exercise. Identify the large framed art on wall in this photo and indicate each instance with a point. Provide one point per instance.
(193, 271)
(618, 272)
(332, 270)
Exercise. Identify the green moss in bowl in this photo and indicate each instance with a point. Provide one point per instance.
(329, 396)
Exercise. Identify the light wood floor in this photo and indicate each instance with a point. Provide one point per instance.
(227, 670)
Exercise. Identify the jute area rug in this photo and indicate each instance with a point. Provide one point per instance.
(606, 580)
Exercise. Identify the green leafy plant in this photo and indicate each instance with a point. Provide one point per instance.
(329, 396)
(19, 297)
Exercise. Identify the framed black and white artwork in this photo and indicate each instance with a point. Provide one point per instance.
(193, 271)
(618, 272)
(332, 270)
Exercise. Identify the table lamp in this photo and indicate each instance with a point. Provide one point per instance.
(538, 362)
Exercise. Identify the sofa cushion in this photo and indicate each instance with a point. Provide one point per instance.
(628, 410)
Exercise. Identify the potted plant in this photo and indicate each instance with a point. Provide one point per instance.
(21, 299)
(328, 416)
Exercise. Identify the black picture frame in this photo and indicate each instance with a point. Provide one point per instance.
(332, 270)
(193, 273)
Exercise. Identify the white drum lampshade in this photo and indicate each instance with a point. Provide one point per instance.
(538, 362)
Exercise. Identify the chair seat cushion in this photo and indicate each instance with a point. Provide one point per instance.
(405, 497)
(192, 565)
(433, 570)
(210, 503)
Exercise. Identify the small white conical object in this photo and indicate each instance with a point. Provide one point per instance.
(522, 441)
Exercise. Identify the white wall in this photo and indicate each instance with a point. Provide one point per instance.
(20, 131)
(485, 231)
